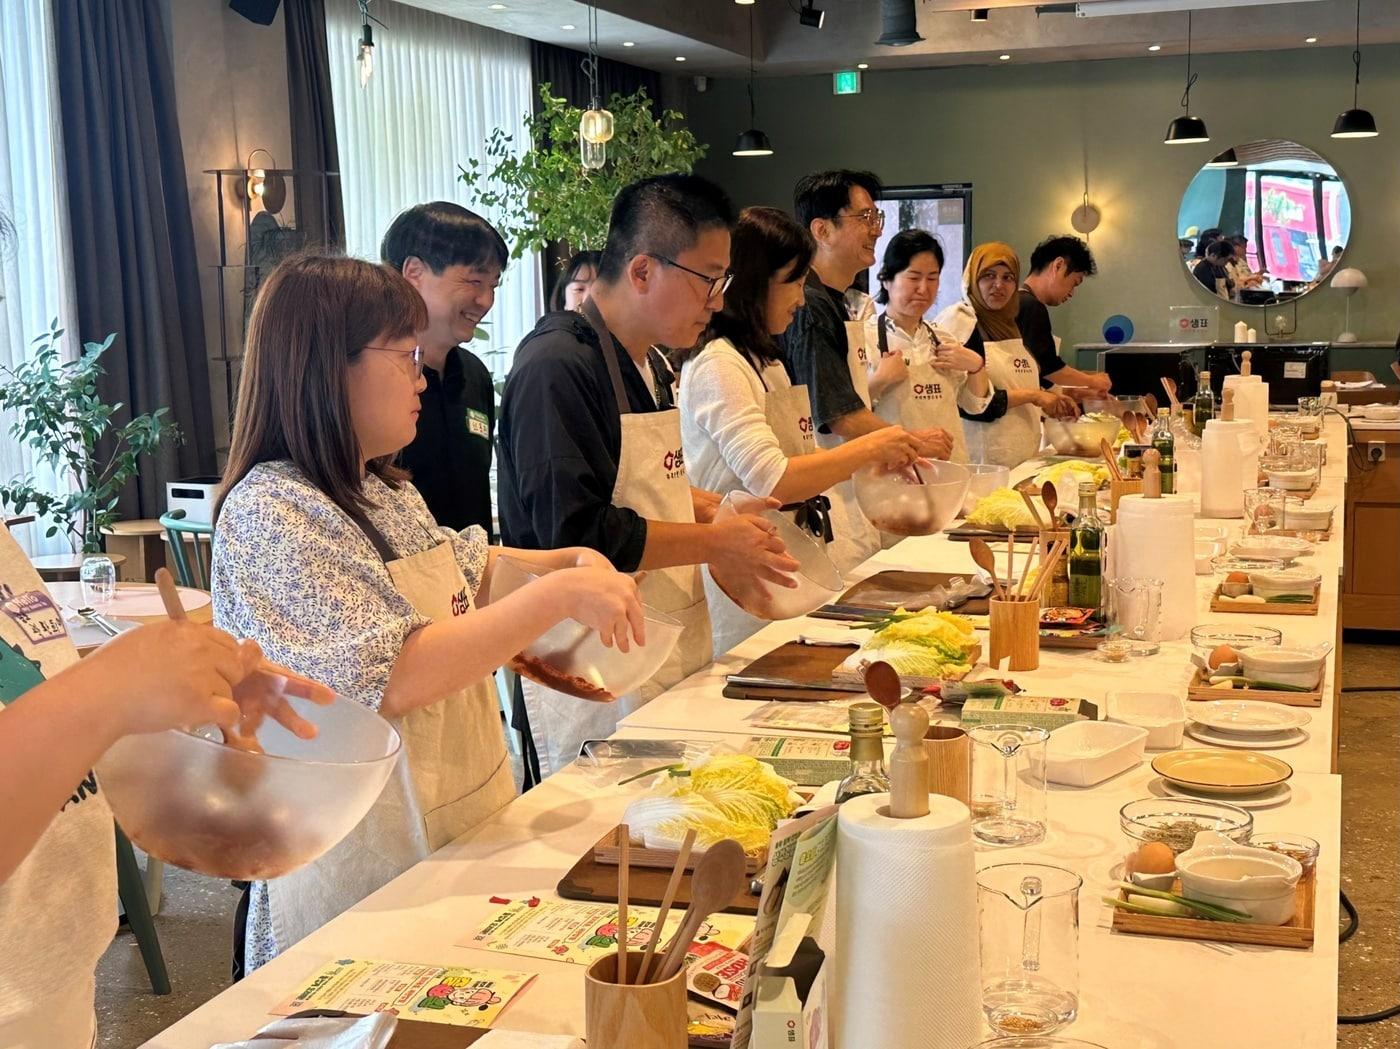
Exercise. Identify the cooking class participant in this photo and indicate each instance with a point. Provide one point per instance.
(932, 374)
(572, 286)
(1059, 264)
(1211, 271)
(453, 258)
(58, 715)
(326, 556)
(1008, 431)
(591, 449)
(744, 425)
(824, 347)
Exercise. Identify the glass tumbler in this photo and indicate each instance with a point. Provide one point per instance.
(1135, 607)
(1028, 932)
(1263, 509)
(1008, 784)
(99, 579)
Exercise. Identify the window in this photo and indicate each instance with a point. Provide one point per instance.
(440, 85)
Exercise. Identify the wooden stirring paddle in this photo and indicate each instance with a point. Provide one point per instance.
(718, 878)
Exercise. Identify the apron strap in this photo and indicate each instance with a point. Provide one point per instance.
(754, 365)
(374, 535)
(610, 354)
(883, 338)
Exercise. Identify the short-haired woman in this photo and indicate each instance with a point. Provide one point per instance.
(744, 426)
(923, 375)
(329, 559)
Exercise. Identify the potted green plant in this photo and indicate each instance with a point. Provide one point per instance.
(543, 194)
(59, 414)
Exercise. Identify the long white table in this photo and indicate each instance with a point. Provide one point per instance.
(1135, 991)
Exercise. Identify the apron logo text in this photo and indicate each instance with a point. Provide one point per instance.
(674, 463)
(461, 603)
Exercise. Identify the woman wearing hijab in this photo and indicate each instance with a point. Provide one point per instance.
(1007, 432)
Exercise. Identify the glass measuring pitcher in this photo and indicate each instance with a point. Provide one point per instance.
(1028, 929)
(1008, 784)
(1135, 607)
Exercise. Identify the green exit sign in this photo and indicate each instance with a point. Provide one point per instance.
(846, 82)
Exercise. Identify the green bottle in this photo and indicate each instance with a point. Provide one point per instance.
(1086, 552)
(1202, 407)
(1165, 444)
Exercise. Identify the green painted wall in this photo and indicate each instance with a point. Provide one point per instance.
(1023, 135)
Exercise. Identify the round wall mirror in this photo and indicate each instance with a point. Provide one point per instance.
(1263, 222)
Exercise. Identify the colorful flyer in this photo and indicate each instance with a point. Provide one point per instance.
(441, 994)
(579, 933)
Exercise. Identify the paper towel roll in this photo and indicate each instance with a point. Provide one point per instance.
(906, 972)
(1251, 400)
(1229, 465)
(1156, 538)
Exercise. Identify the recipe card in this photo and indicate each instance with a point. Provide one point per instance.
(441, 994)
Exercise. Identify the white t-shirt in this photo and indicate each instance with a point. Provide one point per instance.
(57, 910)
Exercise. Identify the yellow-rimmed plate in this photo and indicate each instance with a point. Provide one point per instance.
(1222, 772)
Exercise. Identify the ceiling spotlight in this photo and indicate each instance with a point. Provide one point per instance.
(1154, 47)
(810, 16)
(568, 26)
(1004, 58)
(980, 14)
(744, 3)
(680, 58)
(629, 43)
(1310, 40)
(862, 65)
(498, 7)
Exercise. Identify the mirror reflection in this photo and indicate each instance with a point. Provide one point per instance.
(1263, 222)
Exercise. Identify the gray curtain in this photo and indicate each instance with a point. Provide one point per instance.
(133, 238)
(320, 213)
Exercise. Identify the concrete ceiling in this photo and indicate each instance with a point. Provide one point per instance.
(713, 35)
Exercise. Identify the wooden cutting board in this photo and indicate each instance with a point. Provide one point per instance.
(916, 585)
(804, 670)
(966, 533)
(596, 882)
(415, 1034)
(1298, 933)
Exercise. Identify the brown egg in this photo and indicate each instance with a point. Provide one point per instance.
(1237, 577)
(1154, 858)
(1221, 655)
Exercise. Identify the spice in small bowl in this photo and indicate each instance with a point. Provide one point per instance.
(1300, 848)
(1114, 651)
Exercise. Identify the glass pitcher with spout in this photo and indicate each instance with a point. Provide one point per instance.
(1008, 784)
(1028, 929)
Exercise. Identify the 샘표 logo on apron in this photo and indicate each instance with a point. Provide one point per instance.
(929, 391)
(805, 425)
(461, 603)
(673, 463)
(1021, 364)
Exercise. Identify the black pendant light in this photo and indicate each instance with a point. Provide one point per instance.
(753, 142)
(1356, 122)
(1228, 159)
(1186, 129)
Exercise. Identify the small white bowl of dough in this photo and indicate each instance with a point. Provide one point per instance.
(1284, 582)
(1285, 665)
(1291, 480)
(1307, 516)
(1260, 882)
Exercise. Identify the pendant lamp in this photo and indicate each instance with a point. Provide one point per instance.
(753, 142)
(1186, 129)
(1356, 122)
(595, 126)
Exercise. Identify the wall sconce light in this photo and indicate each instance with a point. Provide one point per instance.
(1086, 218)
(263, 184)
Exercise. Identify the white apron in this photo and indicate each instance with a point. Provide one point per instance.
(929, 397)
(452, 774)
(788, 412)
(652, 481)
(1015, 437)
(855, 539)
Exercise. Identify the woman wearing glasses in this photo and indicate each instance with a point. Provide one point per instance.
(744, 425)
(1008, 431)
(329, 559)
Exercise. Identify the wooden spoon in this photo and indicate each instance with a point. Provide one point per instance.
(883, 684)
(986, 560)
(1051, 497)
(1110, 460)
(718, 878)
(1169, 385)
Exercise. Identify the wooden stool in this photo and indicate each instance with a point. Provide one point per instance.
(55, 568)
(142, 543)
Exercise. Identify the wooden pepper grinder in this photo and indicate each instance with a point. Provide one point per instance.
(1151, 474)
(909, 777)
(1246, 365)
(1227, 405)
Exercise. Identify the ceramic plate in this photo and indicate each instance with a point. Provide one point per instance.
(1229, 739)
(1271, 546)
(1215, 772)
(1247, 717)
(1268, 799)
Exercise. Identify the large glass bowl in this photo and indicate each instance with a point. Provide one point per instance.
(983, 480)
(571, 658)
(1081, 436)
(917, 500)
(189, 800)
(818, 581)
(1176, 821)
(1207, 637)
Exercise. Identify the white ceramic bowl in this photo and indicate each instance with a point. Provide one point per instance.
(1162, 714)
(1286, 666)
(1291, 480)
(1260, 882)
(1087, 752)
(1308, 516)
(1383, 413)
(1284, 582)
(918, 500)
(818, 581)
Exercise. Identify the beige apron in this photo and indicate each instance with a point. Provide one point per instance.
(452, 774)
(929, 397)
(652, 481)
(788, 412)
(856, 539)
(1015, 437)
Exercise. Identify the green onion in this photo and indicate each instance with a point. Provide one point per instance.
(1290, 599)
(1210, 910)
(674, 770)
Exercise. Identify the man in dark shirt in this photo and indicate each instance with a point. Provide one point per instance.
(454, 258)
(838, 208)
(1059, 265)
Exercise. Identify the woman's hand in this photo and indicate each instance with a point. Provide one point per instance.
(604, 600)
(934, 442)
(889, 371)
(704, 503)
(747, 544)
(1056, 405)
(955, 357)
(891, 446)
(587, 557)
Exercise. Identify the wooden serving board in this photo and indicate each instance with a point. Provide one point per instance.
(1220, 603)
(596, 882)
(1297, 934)
(1312, 535)
(1199, 690)
(794, 672)
(915, 584)
(608, 851)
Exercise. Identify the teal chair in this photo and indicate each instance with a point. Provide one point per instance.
(190, 544)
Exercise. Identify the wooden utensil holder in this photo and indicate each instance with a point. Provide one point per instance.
(949, 762)
(633, 1016)
(1116, 491)
(1015, 631)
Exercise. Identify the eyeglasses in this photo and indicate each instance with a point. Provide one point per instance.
(717, 285)
(872, 217)
(414, 355)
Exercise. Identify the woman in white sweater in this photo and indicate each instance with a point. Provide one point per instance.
(744, 425)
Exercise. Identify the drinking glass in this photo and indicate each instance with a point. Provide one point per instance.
(1008, 784)
(1135, 607)
(1028, 930)
(1263, 509)
(99, 579)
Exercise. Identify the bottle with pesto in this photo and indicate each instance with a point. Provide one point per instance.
(867, 775)
(1165, 443)
(1086, 552)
